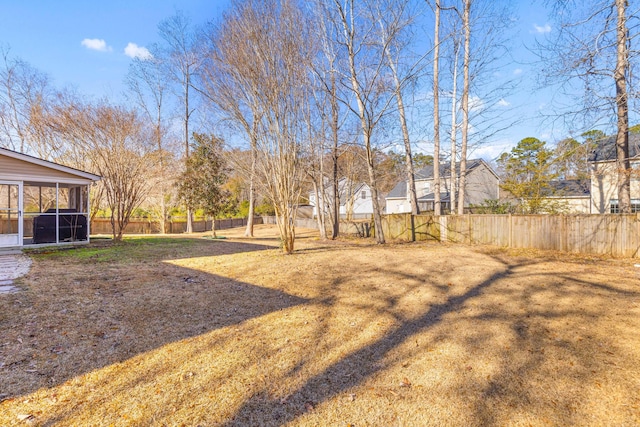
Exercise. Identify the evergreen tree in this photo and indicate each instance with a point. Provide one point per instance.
(528, 174)
(200, 186)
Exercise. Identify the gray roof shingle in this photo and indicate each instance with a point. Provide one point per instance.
(606, 148)
(571, 188)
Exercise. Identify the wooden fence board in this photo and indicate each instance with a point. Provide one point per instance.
(616, 235)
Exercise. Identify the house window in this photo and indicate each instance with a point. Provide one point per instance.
(363, 195)
(615, 206)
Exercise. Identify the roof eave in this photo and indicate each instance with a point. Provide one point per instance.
(50, 165)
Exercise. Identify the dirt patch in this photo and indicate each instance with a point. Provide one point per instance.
(231, 332)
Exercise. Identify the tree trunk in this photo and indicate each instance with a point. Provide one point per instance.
(320, 208)
(163, 213)
(408, 159)
(465, 106)
(248, 232)
(186, 142)
(366, 123)
(436, 113)
(189, 221)
(377, 216)
(334, 185)
(286, 225)
(411, 180)
(454, 131)
(622, 137)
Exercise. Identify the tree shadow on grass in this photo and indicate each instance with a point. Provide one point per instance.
(80, 317)
(564, 345)
(513, 388)
(355, 368)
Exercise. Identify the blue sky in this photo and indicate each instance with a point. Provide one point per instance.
(49, 35)
(82, 43)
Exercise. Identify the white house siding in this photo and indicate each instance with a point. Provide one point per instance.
(575, 205)
(398, 206)
(604, 186)
(361, 207)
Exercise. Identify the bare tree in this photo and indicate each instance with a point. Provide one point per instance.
(589, 63)
(148, 88)
(317, 155)
(181, 62)
(326, 69)
(232, 85)
(113, 143)
(466, 25)
(478, 28)
(436, 111)
(25, 95)
(396, 17)
(365, 67)
(622, 108)
(274, 78)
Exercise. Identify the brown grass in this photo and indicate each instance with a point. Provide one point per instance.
(191, 331)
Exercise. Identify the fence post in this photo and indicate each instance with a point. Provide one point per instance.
(510, 231)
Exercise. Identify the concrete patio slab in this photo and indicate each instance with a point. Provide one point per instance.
(12, 266)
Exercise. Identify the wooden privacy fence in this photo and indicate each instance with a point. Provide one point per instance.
(140, 226)
(360, 228)
(616, 235)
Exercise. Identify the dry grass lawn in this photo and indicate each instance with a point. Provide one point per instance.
(192, 331)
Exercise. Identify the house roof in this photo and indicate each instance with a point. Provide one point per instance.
(444, 197)
(50, 165)
(606, 148)
(400, 190)
(571, 188)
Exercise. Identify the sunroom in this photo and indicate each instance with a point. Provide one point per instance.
(42, 203)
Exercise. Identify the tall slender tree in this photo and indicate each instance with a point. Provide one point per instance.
(466, 25)
(233, 86)
(396, 19)
(436, 111)
(148, 88)
(181, 61)
(365, 68)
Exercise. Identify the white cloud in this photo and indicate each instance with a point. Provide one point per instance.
(517, 71)
(504, 103)
(546, 28)
(134, 51)
(96, 44)
(492, 150)
(475, 103)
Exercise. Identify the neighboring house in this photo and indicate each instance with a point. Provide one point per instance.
(604, 175)
(571, 195)
(481, 184)
(355, 200)
(42, 202)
